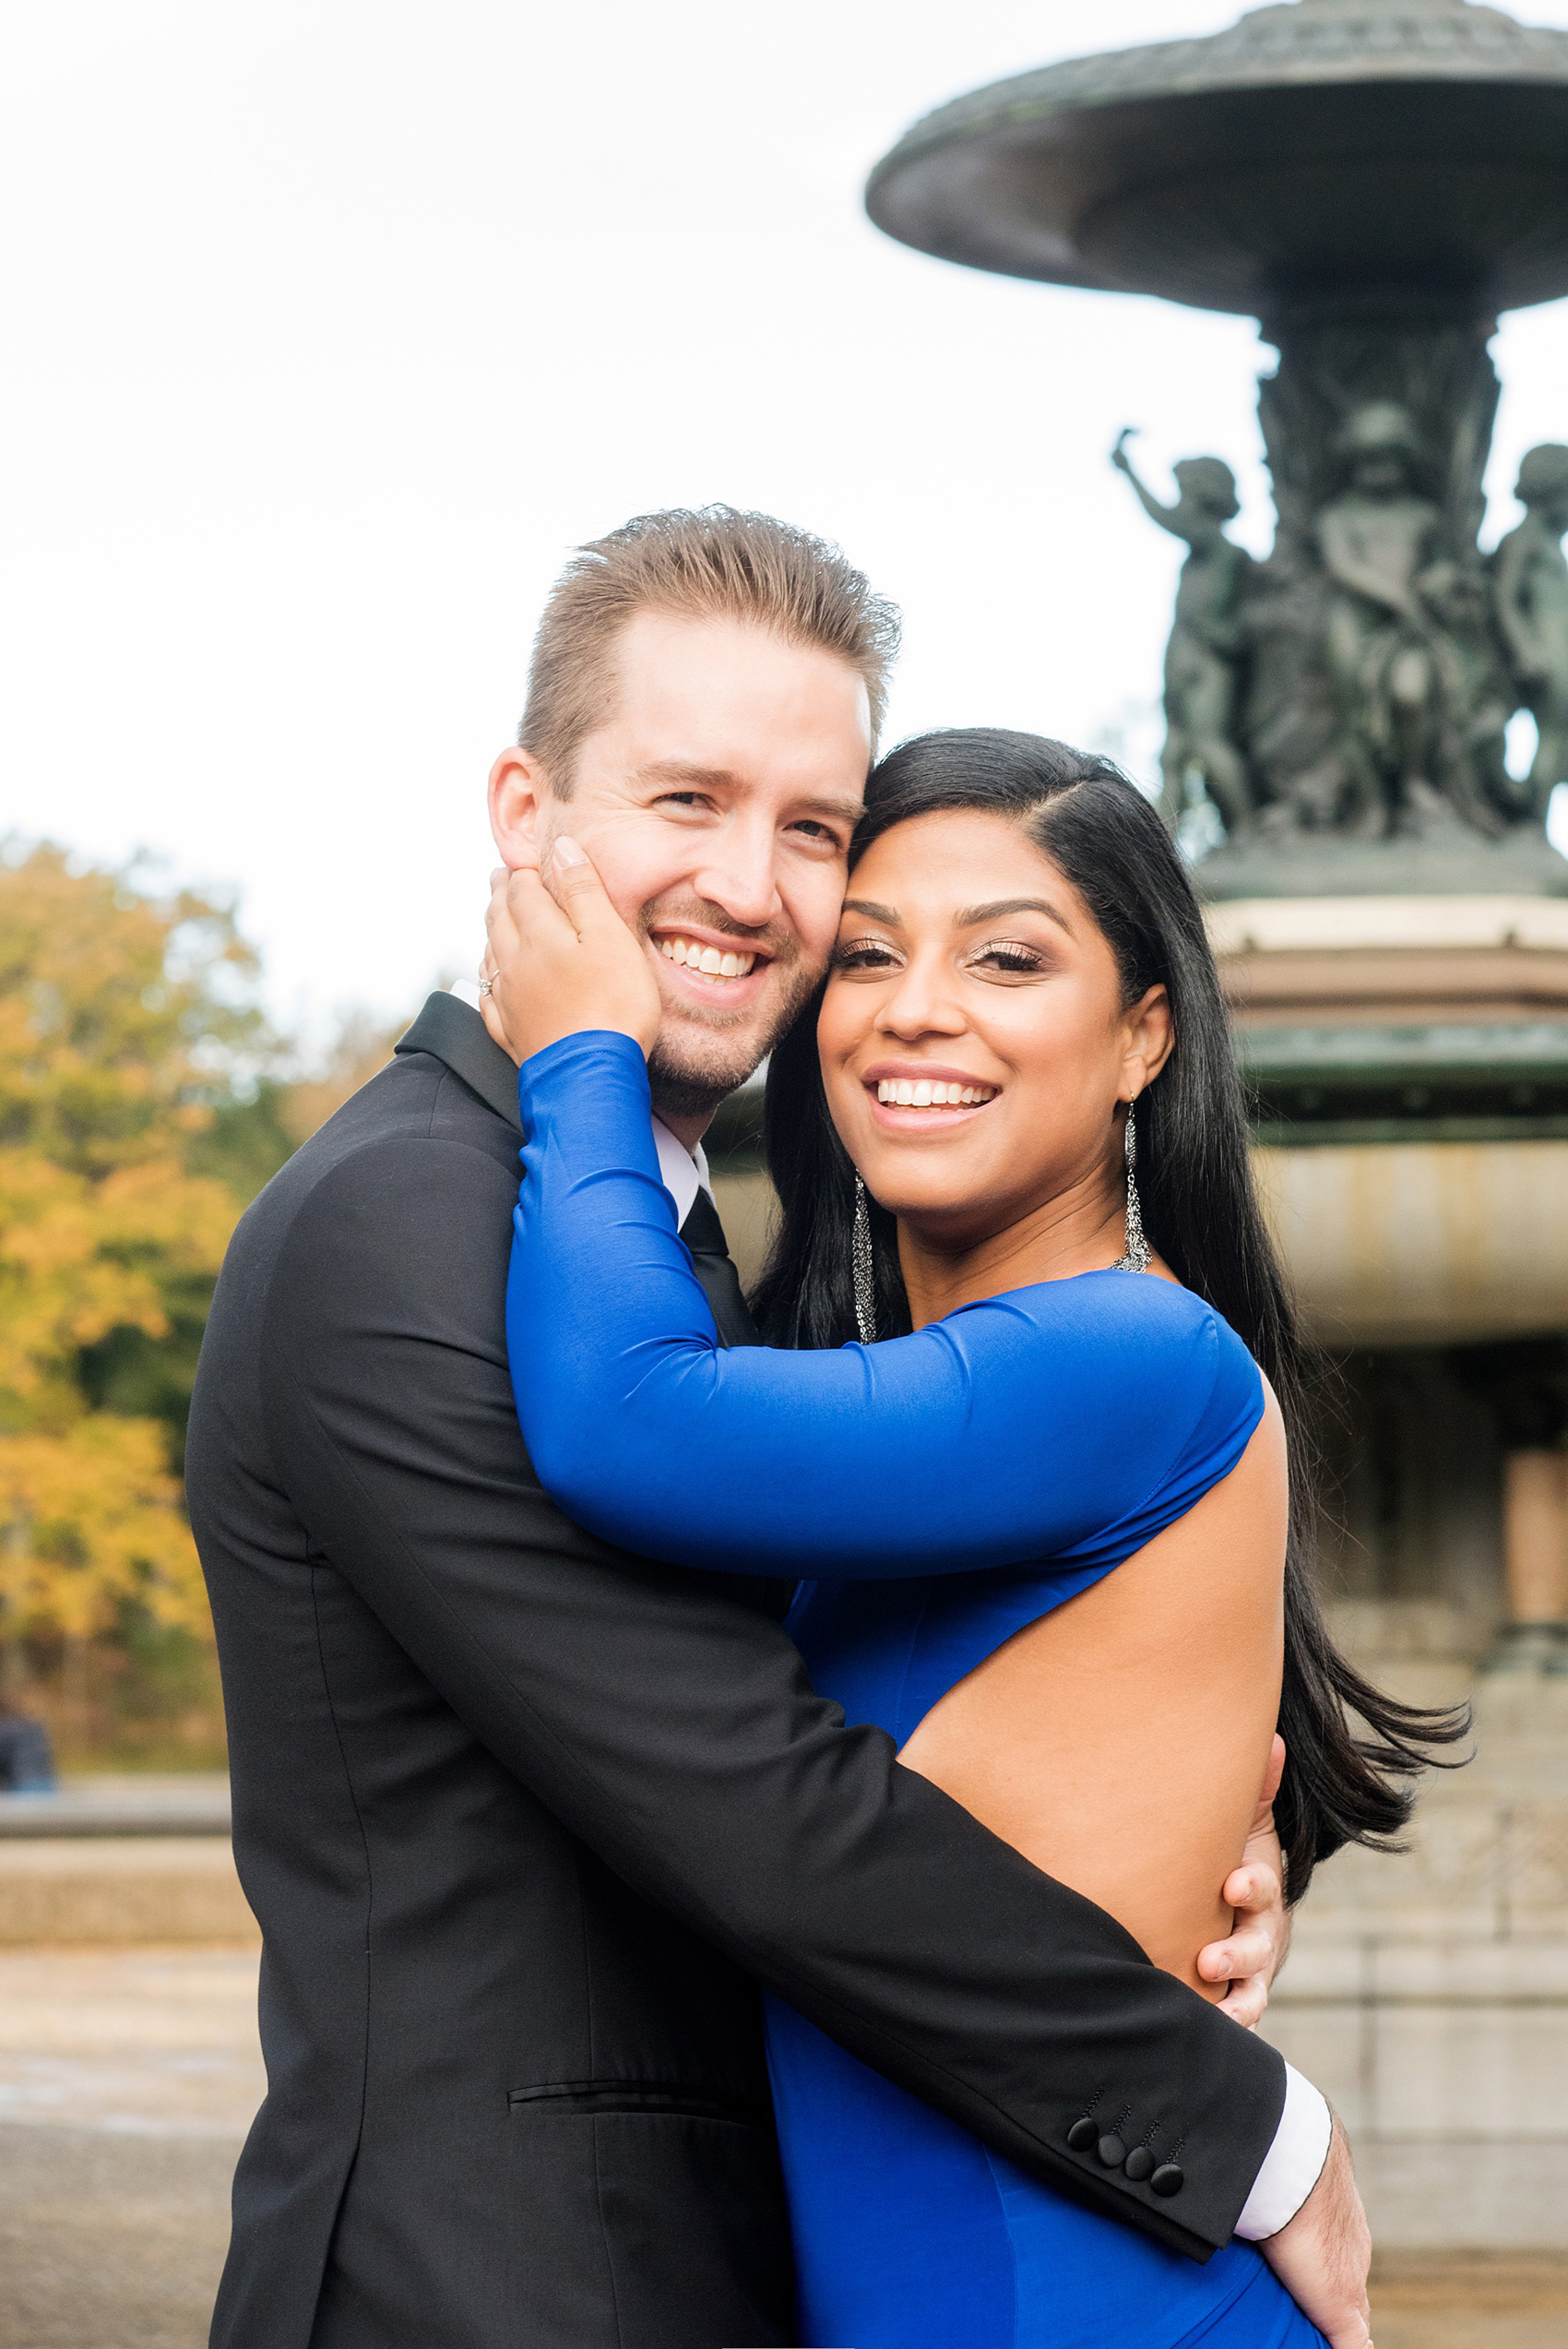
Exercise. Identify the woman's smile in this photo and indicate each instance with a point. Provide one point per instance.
(918, 1097)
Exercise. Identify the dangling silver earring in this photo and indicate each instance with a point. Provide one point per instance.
(864, 1264)
(1139, 1253)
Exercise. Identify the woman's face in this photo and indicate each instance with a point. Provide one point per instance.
(973, 1038)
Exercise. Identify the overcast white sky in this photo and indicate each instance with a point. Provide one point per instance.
(332, 325)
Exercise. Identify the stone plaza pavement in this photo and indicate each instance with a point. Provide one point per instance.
(127, 2079)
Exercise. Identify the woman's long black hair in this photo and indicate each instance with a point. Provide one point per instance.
(1342, 1784)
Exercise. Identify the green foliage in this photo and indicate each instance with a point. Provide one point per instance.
(141, 1108)
(129, 1140)
(250, 1135)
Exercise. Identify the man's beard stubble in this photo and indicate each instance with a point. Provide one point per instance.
(699, 1058)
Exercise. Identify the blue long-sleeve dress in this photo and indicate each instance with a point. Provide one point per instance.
(941, 1491)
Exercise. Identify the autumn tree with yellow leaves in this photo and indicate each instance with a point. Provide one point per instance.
(131, 1132)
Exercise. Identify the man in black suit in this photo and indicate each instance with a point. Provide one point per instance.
(524, 1819)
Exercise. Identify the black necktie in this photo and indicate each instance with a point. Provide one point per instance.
(703, 1235)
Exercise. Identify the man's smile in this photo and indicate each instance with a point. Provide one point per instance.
(707, 958)
(710, 967)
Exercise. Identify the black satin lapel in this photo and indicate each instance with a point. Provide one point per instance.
(721, 1286)
(703, 1235)
(453, 1032)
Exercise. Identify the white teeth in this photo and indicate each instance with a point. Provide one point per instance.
(909, 1092)
(706, 959)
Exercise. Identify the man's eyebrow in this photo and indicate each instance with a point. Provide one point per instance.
(969, 917)
(685, 771)
(887, 915)
(848, 811)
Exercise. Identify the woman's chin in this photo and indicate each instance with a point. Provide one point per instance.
(945, 1163)
(935, 1206)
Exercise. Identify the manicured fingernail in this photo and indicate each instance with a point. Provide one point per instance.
(567, 851)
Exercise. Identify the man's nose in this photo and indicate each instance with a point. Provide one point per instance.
(743, 877)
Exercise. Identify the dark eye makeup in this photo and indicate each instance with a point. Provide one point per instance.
(1006, 957)
(863, 954)
(1011, 956)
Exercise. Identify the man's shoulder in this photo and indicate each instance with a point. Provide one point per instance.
(415, 1144)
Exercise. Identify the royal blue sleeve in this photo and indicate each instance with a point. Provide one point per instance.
(1014, 1429)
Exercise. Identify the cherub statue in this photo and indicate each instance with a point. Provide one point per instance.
(1203, 656)
(1530, 594)
(1393, 669)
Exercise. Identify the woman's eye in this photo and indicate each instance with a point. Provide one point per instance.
(1010, 957)
(864, 954)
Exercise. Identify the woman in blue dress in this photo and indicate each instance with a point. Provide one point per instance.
(1013, 1436)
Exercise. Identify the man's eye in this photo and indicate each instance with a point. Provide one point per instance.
(815, 831)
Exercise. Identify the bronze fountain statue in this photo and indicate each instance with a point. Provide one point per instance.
(1531, 589)
(1367, 693)
(1374, 180)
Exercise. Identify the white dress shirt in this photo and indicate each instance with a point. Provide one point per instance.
(1294, 2162)
(684, 1171)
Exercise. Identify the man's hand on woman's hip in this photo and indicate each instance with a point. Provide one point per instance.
(1253, 1950)
(1324, 2256)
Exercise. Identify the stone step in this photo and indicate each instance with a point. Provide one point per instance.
(121, 1889)
(192, 1803)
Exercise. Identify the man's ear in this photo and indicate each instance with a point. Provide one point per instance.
(519, 790)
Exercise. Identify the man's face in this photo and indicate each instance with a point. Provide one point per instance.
(717, 801)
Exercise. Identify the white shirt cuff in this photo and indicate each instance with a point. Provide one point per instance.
(1293, 2164)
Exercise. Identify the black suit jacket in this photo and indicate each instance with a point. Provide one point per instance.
(525, 1819)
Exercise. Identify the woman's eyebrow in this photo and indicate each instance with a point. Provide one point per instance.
(970, 917)
(887, 914)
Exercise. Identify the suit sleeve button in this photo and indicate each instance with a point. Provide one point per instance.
(1168, 2179)
(1082, 2134)
(1111, 2151)
(1140, 2164)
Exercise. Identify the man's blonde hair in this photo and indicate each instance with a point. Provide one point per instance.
(716, 564)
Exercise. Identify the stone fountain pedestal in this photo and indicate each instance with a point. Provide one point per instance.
(1410, 1060)
(1374, 180)
(1427, 1994)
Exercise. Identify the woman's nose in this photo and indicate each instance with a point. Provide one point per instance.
(921, 1005)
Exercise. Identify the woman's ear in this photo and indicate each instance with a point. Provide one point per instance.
(518, 791)
(1150, 1033)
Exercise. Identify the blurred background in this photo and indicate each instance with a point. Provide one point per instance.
(331, 330)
